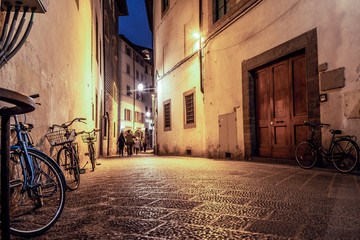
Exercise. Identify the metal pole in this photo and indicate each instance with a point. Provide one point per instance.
(5, 192)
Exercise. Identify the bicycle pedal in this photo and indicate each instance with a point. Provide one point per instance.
(98, 163)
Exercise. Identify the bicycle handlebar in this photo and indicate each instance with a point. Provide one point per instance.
(65, 125)
(316, 125)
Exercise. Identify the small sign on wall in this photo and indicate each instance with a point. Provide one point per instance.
(332, 79)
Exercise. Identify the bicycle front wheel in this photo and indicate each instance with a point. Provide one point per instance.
(36, 206)
(345, 155)
(92, 156)
(70, 166)
(306, 155)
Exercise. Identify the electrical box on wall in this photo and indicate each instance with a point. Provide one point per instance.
(39, 5)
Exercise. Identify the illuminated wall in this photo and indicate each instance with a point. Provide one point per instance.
(251, 28)
(62, 62)
(177, 71)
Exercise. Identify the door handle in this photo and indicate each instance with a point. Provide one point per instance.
(279, 121)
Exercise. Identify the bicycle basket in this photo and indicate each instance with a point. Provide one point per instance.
(89, 137)
(59, 136)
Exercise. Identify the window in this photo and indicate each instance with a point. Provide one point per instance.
(137, 117)
(137, 74)
(221, 7)
(127, 115)
(142, 118)
(164, 5)
(128, 69)
(128, 51)
(128, 91)
(189, 109)
(167, 115)
(146, 69)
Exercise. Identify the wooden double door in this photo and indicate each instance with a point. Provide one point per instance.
(281, 106)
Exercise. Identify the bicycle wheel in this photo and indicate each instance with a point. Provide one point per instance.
(345, 155)
(92, 156)
(306, 155)
(34, 209)
(70, 167)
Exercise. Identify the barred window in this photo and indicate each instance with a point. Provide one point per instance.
(167, 115)
(189, 109)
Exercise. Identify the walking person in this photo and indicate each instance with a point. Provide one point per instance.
(129, 142)
(144, 146)
(137, 146)
(121, 144)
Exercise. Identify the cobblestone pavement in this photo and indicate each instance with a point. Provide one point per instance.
(151, 197)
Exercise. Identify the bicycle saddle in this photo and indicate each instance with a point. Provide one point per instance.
(335, 131)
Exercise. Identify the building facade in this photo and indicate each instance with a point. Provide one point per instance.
(63, 61)
(238, 78)
(136, 103)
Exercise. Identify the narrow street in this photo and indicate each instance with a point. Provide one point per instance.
(151, 197)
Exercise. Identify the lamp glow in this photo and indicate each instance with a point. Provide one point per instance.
(141, 87)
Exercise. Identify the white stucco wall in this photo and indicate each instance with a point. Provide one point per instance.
(58, 62)
(270, 24)
(267, 25)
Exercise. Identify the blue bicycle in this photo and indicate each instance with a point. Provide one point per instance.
(37, 186)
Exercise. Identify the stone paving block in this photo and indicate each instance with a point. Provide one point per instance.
(130, 201)
(298, 217)
(164, 195)
(191, 217)
(186, 231)
(232, 222)
(233, 209)
(221, 199)
(273, 228)
(177, 204)
(137, 212)
(261, 203)
(131, 225)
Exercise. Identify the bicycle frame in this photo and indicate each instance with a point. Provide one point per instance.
(22, 146)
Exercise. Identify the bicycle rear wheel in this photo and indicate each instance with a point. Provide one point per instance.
(345, 155)
(70, 167)
(34, 209)
(306, 155)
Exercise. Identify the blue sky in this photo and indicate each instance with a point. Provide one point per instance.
(135, 27)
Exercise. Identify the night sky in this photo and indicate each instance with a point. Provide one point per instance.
(135, 27)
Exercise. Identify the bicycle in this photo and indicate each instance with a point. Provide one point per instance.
(90, 138)
(67, 156)
(37, 186)
(343, 151)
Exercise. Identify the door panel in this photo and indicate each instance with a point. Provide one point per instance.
(281, 147)
(262, 96)
(281, 107)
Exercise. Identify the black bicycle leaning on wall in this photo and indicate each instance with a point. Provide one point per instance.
(343, 151)
(90, 138)
(67, 157)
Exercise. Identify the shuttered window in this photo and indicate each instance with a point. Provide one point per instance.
(167, 115)
(189, 109)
